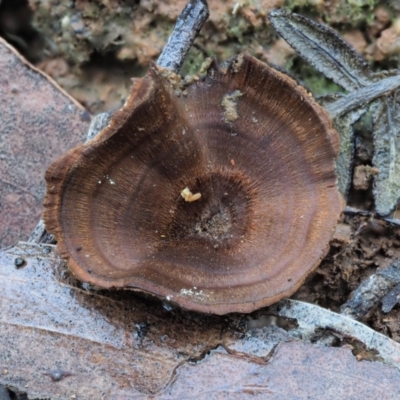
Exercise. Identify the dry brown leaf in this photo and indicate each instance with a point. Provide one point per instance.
(114, 343)
(38, 123)
(297, 370)
(60, 338)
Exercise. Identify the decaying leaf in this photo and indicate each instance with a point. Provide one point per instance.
(333, 57)
(323, 49)
(39, 122)
(295, 371)
(386, 119)
(344, 125)
(108, 345)
(114, 345)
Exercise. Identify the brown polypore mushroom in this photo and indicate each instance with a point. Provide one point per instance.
(220, 196)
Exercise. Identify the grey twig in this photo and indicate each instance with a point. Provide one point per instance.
(188, 25)
(365, 213)
(381, 286)
(98, 123)
(371, 291)
(363, 97)
(391, 299)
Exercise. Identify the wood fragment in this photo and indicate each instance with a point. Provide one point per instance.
(371, 291)
(188, 25)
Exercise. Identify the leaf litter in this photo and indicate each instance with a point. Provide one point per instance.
(104, 344)
(337, 60)
(119, 345)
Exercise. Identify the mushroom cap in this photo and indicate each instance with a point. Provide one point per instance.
(220, 196)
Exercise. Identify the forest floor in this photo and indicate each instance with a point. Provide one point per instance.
(93, 49)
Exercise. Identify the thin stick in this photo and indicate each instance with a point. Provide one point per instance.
(365, 213)
(371, 291)
(188, 25)
(363, 96)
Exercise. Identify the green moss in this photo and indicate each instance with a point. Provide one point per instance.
(313, 80)
(305, 7)
(193, 61)
(237, 28)
(353, 13)
(319, 85)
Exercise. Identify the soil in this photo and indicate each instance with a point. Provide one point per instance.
(92, 49)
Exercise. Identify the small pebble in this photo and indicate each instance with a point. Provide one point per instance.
(19, 262)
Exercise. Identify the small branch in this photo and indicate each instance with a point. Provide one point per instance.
(391, 299)
(371, 291)
(365, 213)
(188, 25)
(98, 123)
(363, 96)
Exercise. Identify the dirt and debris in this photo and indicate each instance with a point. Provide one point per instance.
(388, 43)
(188, 196)
(229, 103)
(92, 49)
(205, 65)
(360, 245)
(173, 79)
(237, 63)
(363, 176)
